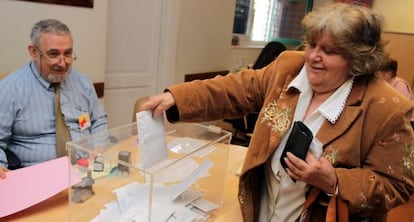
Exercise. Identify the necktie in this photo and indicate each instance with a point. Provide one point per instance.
(62, 132)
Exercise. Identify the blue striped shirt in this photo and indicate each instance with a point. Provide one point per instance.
(27, 119)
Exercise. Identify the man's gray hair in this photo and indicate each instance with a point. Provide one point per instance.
(47, 26)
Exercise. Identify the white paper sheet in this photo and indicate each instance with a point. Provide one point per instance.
(178, 189)
(132, 204)
(151, 138)
(176, 172)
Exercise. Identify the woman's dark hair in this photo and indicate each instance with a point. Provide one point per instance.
(268, 54)
(391, 66)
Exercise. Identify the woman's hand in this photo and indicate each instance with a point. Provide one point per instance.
(3, 172)
(316, 172)
(158, 103)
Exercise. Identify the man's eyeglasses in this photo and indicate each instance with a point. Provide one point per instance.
(56, 56)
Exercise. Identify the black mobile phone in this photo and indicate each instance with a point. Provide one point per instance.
(298, 142)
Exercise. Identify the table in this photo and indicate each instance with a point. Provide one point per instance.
(56, 207)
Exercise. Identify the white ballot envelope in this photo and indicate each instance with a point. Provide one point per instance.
(151, 139)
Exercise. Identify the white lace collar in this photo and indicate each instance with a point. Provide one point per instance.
(332, 108)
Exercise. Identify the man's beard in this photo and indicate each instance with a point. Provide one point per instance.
(53, 78)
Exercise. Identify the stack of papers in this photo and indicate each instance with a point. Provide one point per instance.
(132, 204)
(137, 202)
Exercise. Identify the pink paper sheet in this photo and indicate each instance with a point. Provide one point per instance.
(28, 186)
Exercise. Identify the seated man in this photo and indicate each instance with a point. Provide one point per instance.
(27, 95)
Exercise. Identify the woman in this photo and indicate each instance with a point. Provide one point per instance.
(359, 164)
(389, 73)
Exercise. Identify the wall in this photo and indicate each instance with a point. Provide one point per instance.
(399, 32)
(319, 3)
(398, 15)
(400, 46)
(204, 34)
(88, 27)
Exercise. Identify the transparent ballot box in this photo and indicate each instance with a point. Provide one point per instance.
(177, 176)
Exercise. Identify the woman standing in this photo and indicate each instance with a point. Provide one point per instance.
(360, 161)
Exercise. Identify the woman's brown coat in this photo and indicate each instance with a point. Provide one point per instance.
(371, 144)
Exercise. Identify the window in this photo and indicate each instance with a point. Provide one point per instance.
(259, 21)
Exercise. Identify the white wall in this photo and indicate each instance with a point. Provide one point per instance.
(204, 35)
(88, 27)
